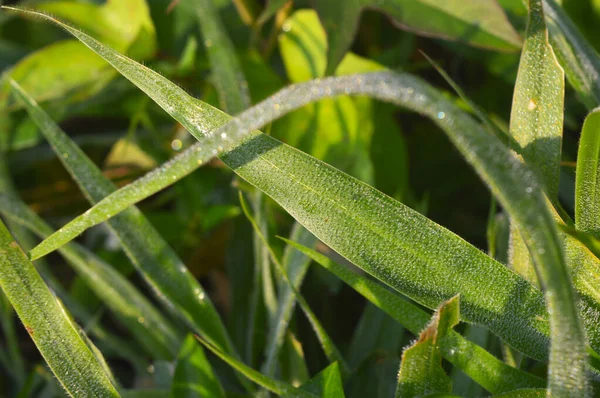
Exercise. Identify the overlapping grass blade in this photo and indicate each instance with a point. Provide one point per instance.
(327, 383)
(56, 337)
(491, 373)
(579, 59)
(587, 183)
(512, 182)
(194, 376)
(154, 258)
(329, 348)
(421, 371)
(275, 386)
(154, 331)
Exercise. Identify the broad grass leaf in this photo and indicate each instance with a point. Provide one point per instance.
(421, 371)
(194, 376)
(156, 334)
(587, 183)
(327, 383)
(152, 256)
(477, 22)
(491, 373)
(50, 327)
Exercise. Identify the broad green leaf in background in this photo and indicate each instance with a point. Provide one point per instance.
(327, 383)
(155, 260)
(156, 333)
(587, 188)
(65, 69)
(480, 23)
(491, 373)
(194, 377)
(74, 365)
(513, 297)
(421, 371)
(275, 386)
(578, 58)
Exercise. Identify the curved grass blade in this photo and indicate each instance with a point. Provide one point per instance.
(491, 373)
(155, 332)
(510, 180)
(587, 183)
(329, 348)
(194, 377)
(421, 371)
(74, 365)
(275, 386)
(152, 256)
(579, 59)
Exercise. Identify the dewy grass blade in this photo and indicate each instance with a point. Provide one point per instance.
(491, 373)
(154, 331)
(287, 176)
(153, 257)
(587, 183)
(579, 59)
(74, 365)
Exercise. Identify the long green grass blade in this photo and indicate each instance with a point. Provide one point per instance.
(275, 386)
(153, 330)
(154, 258)
(421, 371)
(587, 183)
(194, 376)
(579, 59)
(512, 182)
(74, 365)
(491, 373)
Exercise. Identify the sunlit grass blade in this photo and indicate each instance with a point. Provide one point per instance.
(329, 348)
(421, 371)
(491, 373)
(275, 386)
(74, 365)
(511, 181)
(327, 383)
(587, 183)
(155, 259)
(153, 330)
(194, 376)
(579, 59)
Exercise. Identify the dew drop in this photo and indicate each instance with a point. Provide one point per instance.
(182, 269)
(208, 43)
(224, 135)
(532, 105)
(150, 369)
(286, 27)
(441, 115)
(176, 145)
(141, 319)
(529, 190)
(200, 161)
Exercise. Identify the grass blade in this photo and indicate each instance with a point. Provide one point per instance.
(491, 373)
(587, 183)
(194, 377)
(328, 383)
(421, 371)
(155, 332)
(74, 365)
(154, 258)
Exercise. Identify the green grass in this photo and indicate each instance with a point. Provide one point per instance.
(337, 252)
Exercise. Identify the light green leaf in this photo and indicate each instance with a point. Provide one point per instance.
(154, 331)
(525, 393)
(421, 371)
(194, 376)
(579, 59)
(156, 261)
(511, 181)
(491, 373)
(275, 386)
(587, 183)
(327, 383)
(56, 337)
(478, 22)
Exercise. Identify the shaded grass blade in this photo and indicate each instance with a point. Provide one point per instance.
(491, 373)
(154, 258)
(74, 365)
